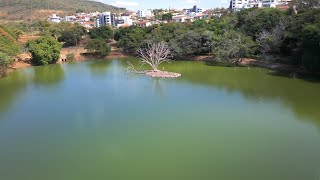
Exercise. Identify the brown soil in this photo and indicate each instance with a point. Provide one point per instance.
(24, 38)
(198, 58)
(75, 50)
(22, 61)
(270, 65)
(246, 62)
(44, 14)
(162, 74)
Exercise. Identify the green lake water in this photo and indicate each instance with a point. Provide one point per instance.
(93, 121)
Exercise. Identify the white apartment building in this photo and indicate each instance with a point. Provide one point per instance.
(104, 19)
(97, 23)
(145, 13)
(124, 20)
(127, 19)
(237, 5)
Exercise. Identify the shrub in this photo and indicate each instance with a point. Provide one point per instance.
(5, 61)
(233, 46)
(45, 50)
(70, 57)
(103, 32)
(98, 47)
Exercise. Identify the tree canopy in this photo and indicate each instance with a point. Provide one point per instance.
(45, 50)
(98, 47)
(255, 32)
(103, 32)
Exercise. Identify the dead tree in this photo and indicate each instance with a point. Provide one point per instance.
(154, 54)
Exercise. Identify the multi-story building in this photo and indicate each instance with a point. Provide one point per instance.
(113, 20)
(104, 19)
(124, 20)
(193, 11)
(145, 13)
(97, 22)
(237, 5)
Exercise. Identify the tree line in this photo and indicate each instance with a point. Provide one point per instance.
(269, 34)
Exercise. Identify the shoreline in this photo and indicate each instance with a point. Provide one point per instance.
(24, 60)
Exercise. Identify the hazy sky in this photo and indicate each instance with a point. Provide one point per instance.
(152, 4)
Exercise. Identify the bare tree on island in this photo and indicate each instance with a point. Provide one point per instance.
(154, 54)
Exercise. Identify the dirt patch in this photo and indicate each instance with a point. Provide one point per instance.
(78, 51)
(198, 58)
(162, 74)
(3, 14)
(24, 38)
(247, 62)
(44, 14)
(23, 60)
(21, 64)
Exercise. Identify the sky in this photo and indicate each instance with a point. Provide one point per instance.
(156, 4)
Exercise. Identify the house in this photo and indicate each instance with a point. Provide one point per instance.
(143, 24)
(181, 18)
(54, 18)
(201, 16)
(70, 18)
(145, 13)
(87, 25)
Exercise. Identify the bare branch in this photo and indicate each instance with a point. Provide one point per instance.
(154, 54)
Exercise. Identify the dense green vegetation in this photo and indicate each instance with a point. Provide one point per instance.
(8, 46)
(24, 9)
(71, 36)
(167, 17)
(103, 32)
(98, 41)
(266, 33)
(45, 50)
(98, 47)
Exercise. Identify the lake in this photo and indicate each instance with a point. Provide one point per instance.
(92, 120)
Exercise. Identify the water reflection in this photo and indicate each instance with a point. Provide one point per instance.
(99, 68)
(158, 87)
(48, 75)
(11, 88)
(257, 85)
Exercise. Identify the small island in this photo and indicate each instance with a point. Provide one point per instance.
(153, 54)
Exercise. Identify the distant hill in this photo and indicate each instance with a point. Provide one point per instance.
(35, 9)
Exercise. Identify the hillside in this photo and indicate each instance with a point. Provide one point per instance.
(8, 42)
(35, 9)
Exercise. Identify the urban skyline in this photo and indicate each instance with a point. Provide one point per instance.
(165, 4)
